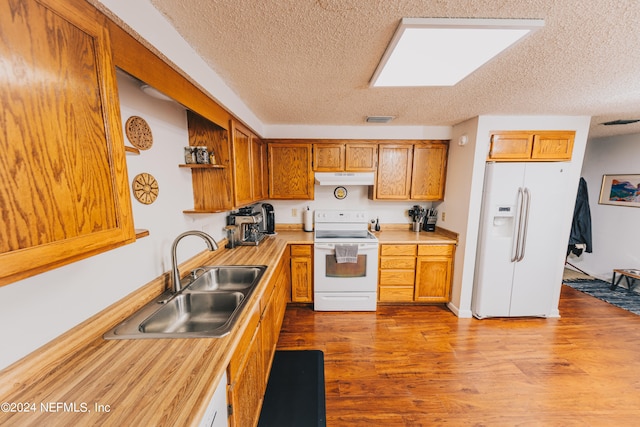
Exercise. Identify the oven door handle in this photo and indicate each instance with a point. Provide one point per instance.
(332, 246)
(324, 246)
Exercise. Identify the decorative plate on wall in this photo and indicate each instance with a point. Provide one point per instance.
(139, 132)
(145, 188)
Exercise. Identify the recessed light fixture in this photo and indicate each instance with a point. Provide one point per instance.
(379, 119)
(443, 51)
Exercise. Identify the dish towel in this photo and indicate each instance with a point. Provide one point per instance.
(346, 254)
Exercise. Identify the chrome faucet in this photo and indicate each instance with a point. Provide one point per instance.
(175, 274)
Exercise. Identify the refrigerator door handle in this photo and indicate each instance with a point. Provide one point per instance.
(515, 250)
(523, 243)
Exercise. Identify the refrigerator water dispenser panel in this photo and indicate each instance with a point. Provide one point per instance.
(503, 218)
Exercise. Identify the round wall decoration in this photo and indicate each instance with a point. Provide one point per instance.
(340, 193)
(139, 132)
(145, 188)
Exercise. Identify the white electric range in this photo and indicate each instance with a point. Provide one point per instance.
(345, 260)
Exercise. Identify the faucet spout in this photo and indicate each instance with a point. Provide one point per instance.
(175, 274)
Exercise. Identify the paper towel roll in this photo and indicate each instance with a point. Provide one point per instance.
(307, 219)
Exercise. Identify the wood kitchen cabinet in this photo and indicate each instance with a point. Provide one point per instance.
(397, 273)
(246, 376)
(301, 273)
(64, 190)
(393, 181)
(434, 268)
(429, 171)
(531, 146)
(411, 171)
(212, 184)
(248, 370)
(247, 159)
(290, 172)
(344, 157)
(415, 273)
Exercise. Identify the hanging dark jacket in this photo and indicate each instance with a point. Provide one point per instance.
(581, 225)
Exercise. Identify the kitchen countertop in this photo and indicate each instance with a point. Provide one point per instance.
(88, 380)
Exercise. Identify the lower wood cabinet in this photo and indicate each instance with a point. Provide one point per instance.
(415, 273)
(301, 273)
(248, 370)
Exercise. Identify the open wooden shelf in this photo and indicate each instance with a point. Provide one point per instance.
(202, 166)
(141, 232)
(131, 151)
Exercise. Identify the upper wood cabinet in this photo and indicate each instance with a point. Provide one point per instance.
(64, 188)
(393, 180)
(411, 171)
(341, 157)
(212, 184)
(248, 160)
(531, 145)
(290, 173)
(429, 171)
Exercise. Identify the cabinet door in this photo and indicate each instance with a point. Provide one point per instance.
(257, 168)
(64, 188)
(301, 273)
(429, 171)
(360, 157)
(553, 146)
(242, 168)
(328, 157)
(290, 173)
(434, 269)
(511, 145)
(394, 172)
(246, 393)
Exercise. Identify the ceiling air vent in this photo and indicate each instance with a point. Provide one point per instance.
(621, 122)
(379, 119)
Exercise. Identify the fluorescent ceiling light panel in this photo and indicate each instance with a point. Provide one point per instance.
(441, 52)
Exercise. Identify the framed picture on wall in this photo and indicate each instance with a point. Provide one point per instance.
(620, 190)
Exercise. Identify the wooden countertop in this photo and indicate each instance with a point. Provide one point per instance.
(141, 382)
(145, 381)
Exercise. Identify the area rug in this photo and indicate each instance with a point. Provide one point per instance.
(620, 297)
(295, 392)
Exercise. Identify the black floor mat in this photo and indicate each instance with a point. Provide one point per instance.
(295, 391)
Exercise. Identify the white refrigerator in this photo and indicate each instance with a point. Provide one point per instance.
(521, 247)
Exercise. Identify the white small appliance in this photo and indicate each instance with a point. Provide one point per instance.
(345, 262)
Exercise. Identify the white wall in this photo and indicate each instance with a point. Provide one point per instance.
(616, 235)
(466, 169)
(36, 310)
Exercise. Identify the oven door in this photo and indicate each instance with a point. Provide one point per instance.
(331, 276)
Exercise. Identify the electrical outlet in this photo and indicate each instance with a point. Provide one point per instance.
(444, 216)
(294, 212)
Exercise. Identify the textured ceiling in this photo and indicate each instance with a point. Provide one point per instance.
(310, 61)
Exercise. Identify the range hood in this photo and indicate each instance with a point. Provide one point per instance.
(344, 178)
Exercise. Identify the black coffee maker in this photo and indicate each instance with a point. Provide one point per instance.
(269, 219)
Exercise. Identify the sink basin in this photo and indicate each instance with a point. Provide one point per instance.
(193, 312)
(227, 278)
(207, 307)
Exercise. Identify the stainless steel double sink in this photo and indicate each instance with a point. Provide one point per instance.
(207, 307)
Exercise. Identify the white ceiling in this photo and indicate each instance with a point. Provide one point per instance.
(310, 61)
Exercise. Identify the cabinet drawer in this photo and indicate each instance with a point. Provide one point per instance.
(398, 262)
(395, 294)
(405, 250)
(397, 277)
(301, 250)
(435, 250)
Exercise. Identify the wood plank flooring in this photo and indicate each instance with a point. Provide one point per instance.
(423, 366)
